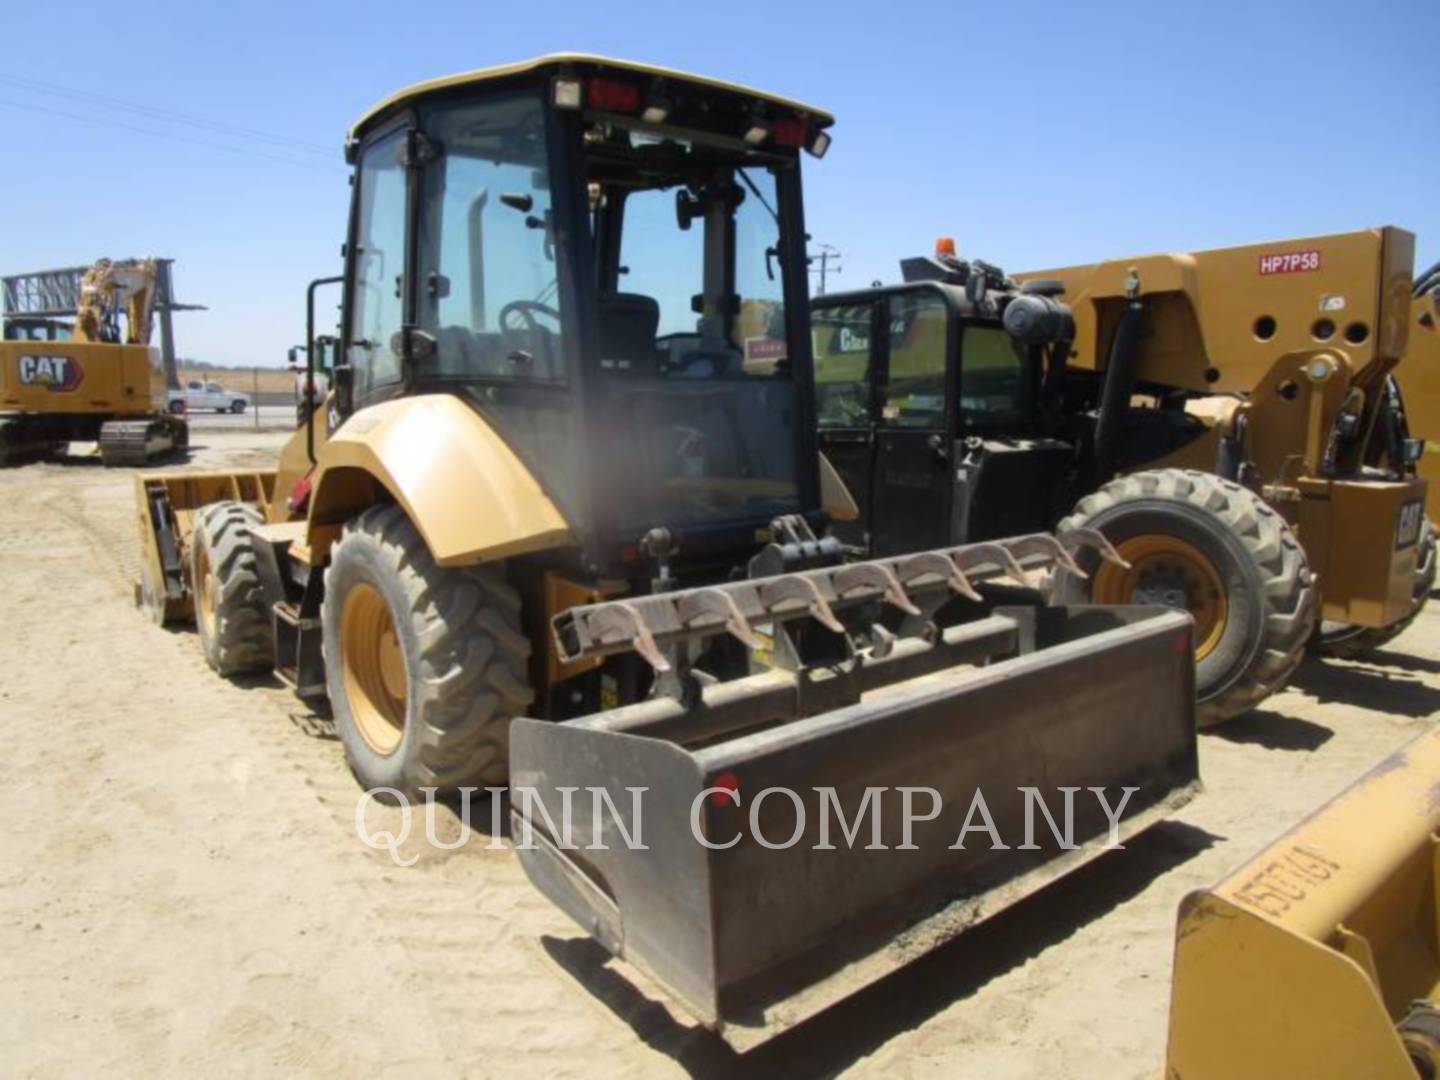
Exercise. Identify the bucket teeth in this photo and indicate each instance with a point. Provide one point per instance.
(648, 624)
(1074, 539)
(781, 592)
(876, 576)
(706, 606)
(916, 568)
(973, 556)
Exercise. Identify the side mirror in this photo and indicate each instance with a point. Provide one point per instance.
(687, 208)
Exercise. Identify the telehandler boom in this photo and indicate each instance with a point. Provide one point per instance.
(558, 523)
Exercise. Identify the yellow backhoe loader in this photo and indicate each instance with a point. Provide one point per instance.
(558, 522)
(88, 380)
(1320, 957)
(1225, 417)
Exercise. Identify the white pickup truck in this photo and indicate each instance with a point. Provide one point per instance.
(199, 395)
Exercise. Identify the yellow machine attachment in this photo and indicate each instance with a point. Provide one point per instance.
(1320, 958)
(1284, 350)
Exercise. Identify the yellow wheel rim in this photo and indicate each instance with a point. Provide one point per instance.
(372, 665)
(204, 591)
(1173, 572)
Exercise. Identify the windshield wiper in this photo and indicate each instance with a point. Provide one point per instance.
(756, 191)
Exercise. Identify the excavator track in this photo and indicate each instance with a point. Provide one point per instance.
(134, 442)
(20, 441)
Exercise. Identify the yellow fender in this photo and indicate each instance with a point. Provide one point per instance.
(468, 494)
(1307, 960)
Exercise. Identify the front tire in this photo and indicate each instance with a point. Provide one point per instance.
(1217, 550)
(426, 666)
(230, 609)
(1349, 642)
(237, 407)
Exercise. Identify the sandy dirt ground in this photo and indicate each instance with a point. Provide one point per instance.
(183, 888)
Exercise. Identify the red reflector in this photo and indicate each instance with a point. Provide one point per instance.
(789, 131)
(730, 783)
(612, 95)
(629, 553)
(300, 493)
(1181, 644)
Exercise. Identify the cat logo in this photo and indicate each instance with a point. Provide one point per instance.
(59, 374)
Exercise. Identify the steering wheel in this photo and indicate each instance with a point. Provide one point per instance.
(527, 310)
(719, 361)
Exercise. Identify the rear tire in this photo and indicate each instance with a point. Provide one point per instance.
(1349, 642)
(1216, 549)
(426, 666)
(230, 609)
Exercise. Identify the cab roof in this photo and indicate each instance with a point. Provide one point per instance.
(569, 60)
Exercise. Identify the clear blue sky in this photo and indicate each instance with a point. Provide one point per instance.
(1036, 134)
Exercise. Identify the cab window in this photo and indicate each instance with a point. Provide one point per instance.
(994, 380)
(841, 338)
(913, 393)
(487, 246)
(379, 265)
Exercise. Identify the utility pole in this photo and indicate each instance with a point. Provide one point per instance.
(825, 255)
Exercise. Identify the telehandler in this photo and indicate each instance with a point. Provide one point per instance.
(559, 522)
(1222, 416)
(88, 379)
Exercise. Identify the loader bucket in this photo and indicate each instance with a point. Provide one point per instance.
(167, 504)
(757, 907)
(1321, 956)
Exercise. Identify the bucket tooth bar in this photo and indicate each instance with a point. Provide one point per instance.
(648, 624)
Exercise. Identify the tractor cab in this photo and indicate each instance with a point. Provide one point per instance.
(606, 261)
(929, 403)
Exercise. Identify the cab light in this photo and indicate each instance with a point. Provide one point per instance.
(612, 95)
(756, 133)
(820, 144)
(567, 93)
(790, 131)
(945, 245)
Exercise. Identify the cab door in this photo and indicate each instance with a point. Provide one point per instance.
(844, 341)
(914, 437)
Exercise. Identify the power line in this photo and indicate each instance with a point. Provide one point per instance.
(107, 122)
(169, 115)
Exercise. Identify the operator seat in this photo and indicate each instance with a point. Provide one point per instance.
(628, 323)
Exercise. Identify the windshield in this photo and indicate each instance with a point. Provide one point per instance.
(994, 381)
(693, 348)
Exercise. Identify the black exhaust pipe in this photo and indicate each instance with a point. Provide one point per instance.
(1119, 385)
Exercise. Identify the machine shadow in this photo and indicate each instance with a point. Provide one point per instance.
(1273, 731)
(908, 997)
(1386, 658)
(1371, 687)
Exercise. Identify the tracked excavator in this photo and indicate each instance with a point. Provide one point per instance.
(562, 521)
(97, 378)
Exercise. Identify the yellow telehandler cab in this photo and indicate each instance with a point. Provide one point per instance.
(559, 523)
(71, 370)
